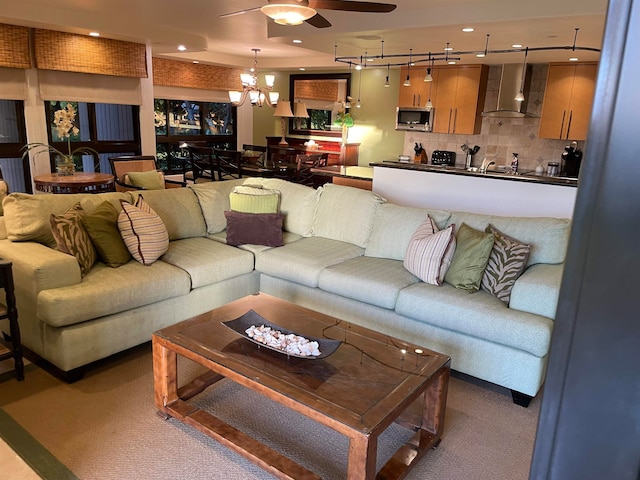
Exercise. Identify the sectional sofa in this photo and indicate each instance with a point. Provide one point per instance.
(343, 255)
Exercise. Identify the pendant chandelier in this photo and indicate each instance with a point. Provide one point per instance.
(258, 96)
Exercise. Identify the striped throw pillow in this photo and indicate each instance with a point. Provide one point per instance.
(72, 238)
(507, 261)
(430, 251)
(143, 232)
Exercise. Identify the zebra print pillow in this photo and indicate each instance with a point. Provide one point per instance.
(506, 263)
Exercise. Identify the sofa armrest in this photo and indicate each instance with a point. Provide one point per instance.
(37, 267)
(537, 289)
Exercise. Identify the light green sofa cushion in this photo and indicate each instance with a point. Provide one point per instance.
(179, 210)
(393, 226)
(207, 261)
(537, 289)
(105, 291)
(297, 202)
(376, 281)
(213, 198)
(27, 215)
(479, 315)
(473, 248)
(302, 261)
(547, 236)
(346, 214)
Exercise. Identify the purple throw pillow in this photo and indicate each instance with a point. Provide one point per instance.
(254, 228)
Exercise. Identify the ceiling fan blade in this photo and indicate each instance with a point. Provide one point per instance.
(352, 6)
(318, 21)
(239, 12)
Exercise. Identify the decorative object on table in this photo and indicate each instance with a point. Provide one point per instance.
(283, 110)
(344, 119)
(420, 154)
(258, 96)
(250, 319)
(63, 123)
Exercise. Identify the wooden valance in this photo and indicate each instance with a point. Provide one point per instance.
(14, 46)
(174, 73)
(317, 90)
(70, 52)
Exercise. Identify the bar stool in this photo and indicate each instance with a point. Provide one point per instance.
(9, 311)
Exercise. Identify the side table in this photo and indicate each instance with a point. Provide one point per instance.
(9, 311)
(79, 182)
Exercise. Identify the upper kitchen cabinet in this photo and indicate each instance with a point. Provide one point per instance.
(568, 99)
(417, 94)
(458, 98)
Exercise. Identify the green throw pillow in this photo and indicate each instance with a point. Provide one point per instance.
(473, 248)
(151, 180)
(102, 226)
(245, 199)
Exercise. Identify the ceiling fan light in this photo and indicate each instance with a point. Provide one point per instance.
(288, 14)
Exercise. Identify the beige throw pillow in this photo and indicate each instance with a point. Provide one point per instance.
(143, 232)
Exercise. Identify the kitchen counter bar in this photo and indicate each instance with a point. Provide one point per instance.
(521, 177)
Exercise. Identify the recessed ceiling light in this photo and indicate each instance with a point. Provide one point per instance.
(448, 49)
(480, 55)
(370, 59)
(358, 67)
(94, 34)
(451, 62)
(297, 40)
(182, 48)
(302, 69)
(517, 45)
(468, 29)
(573, 59)
(196, 61)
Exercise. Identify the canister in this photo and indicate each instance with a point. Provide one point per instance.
(553, 168)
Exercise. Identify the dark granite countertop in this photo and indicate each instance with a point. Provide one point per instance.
(525, 176)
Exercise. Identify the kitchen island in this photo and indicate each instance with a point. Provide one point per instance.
(454, 188)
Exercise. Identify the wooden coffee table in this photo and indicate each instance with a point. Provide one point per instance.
(369, 382)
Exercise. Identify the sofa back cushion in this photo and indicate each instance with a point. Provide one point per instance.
(179, 210)
(346, 214)
(27, 216)
(547, 236)
(213, 198)
(298, 203)
(393, 227)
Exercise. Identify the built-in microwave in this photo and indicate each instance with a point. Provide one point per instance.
(414, 118)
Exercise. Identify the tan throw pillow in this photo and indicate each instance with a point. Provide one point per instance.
(151, 180)
(507, 261)
(470, 259)
(72, 238)
(143, 232)
(430, 251)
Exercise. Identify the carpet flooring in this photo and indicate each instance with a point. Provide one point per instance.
(106, 427)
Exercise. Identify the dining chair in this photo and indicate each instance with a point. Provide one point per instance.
(122, 166)
(228, 163)
(200, 164)
(306, 162)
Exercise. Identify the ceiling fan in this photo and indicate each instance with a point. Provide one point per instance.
(294, 12)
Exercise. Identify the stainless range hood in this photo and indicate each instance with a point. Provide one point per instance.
(510, 84)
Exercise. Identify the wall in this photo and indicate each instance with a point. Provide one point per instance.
(500, 137)
(374, 125)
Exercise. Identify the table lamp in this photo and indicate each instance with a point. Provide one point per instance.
(283, 110)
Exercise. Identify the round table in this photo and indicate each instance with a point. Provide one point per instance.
(79, 182)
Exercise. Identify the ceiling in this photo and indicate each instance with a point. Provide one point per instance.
(421, 25)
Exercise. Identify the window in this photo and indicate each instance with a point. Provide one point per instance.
(181, 122)
(109, 129)
(15, 169)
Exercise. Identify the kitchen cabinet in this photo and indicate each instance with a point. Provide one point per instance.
(458, 98)
(417, 94)
(568, 99)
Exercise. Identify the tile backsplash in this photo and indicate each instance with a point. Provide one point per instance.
(500, 137)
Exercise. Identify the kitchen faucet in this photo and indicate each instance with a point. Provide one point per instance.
(486, 163)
